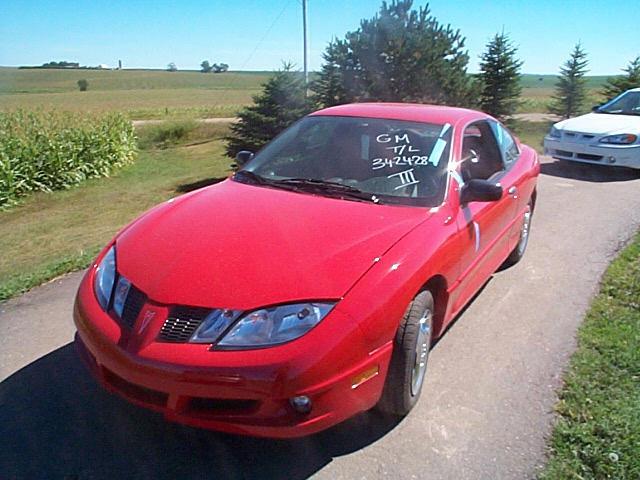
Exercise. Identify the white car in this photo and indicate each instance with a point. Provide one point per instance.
(610, 135)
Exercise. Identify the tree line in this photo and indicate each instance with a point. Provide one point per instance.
(403, 54)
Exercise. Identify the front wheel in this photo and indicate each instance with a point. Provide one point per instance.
(408, 364)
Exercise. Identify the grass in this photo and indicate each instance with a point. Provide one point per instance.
(53, 233)
(538, 99)
(531, 133)
(598, 432)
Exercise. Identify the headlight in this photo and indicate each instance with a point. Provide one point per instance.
(105, 277)
(120, 295)
(271, 326)
(624, 139)
(214, 325)
(555, 133)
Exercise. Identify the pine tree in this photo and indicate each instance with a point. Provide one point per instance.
(281, 102)
(401, 55)
(571, 91)
(617, 85)
(330, 87)
(500, 77)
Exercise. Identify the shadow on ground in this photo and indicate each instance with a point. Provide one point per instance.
(55, 422)
(188, 187)
(588, 172)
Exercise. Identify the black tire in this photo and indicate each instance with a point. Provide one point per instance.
(518, 252)
(400, 392)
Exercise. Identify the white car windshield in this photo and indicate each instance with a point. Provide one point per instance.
(626, 104)
(369, 159)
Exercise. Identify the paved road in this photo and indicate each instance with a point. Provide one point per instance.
(486, 406)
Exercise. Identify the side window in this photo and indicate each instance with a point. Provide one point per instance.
(481, 156)
(508, 146)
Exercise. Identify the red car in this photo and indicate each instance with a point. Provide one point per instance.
(310, 285)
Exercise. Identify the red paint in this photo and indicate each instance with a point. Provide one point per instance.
(242, 246)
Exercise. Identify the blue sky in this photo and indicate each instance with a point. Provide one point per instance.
(151, 34)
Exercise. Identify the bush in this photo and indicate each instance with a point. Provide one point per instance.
(165, 134)
(83, 85)
(45, 151)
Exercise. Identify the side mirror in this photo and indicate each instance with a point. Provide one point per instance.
(595, 108)
(243, 156)
(477, 190)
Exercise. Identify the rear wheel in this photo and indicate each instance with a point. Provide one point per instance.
(408, 364)
(518, 252)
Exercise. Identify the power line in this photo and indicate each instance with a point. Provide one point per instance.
(286, 4)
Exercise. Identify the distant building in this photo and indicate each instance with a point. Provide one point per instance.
(103, 66)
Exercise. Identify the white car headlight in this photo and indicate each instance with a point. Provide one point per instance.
(105, 278)
(555, 132)
(623, 139)
(272, 326)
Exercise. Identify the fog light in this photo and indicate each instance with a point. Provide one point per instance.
(301, 404)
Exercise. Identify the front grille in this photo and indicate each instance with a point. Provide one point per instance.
(182, 323)
(132, 306)
(578, 137)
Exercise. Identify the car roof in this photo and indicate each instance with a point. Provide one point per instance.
(416, 112)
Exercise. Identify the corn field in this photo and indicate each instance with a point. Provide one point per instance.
(45, 151)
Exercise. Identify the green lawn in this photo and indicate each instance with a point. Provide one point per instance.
(532, 133)
(598, 432)
(52, 233)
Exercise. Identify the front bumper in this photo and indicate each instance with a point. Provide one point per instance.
(237, 392)
(613, 155)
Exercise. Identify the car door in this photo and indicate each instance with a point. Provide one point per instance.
(514, 177)
(484, 227)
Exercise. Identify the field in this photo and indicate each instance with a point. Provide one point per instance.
(139, 93)
(155, 94)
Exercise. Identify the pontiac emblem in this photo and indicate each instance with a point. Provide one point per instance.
(148, 316)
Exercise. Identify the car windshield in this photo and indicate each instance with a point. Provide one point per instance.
(367, 159)
(626, 104)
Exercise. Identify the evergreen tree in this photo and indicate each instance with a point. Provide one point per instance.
(571, 91)
(400, 54)
(329, 89)
(500, 77)
(281, 102)
(617, 85)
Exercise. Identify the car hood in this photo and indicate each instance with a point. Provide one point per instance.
(601, 124)
(242, 246)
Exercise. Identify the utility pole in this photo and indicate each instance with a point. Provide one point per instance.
(304, 34)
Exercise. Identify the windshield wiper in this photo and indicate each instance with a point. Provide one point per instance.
(247, 175)
(617, 112)
(326, 186)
